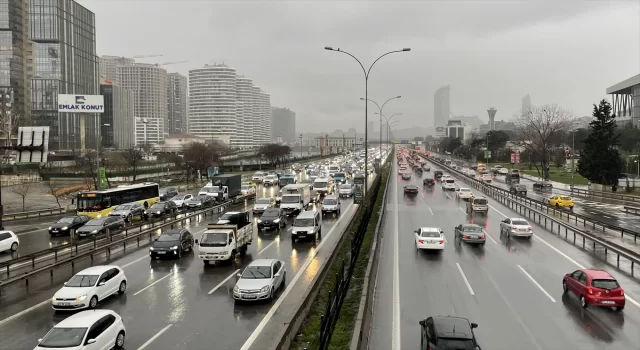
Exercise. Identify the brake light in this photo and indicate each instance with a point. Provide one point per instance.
(482, 237)
(420, 241)
(465, 236)
(530, 228)
(621, 292)
(442, 241)
(512, 228)
(589, 290)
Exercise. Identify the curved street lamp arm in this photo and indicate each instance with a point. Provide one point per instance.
(377, 59)
(385, 102)
(376, 103)
(366, 74)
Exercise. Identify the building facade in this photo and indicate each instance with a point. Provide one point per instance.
(177, 104)
(63, 33)
(626, 99)
(441, 106)
(346, 141)
(455, 129)
(283, 125)
(526, 103)
(265, 118)
(117, 122)
(108, 67)
(149, 84)
(244, 112)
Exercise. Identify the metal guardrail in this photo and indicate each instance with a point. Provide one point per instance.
(33, 213)
(89, 250)
(613, 196)
(590, 243)
(635, 210)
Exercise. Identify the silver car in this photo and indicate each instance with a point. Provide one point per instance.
(263, 204)
(470, 233)
(516, 227)
(128, 211)
(260, 280)
(346, 190)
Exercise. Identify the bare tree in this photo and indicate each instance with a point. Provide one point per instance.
(89, 182)
(22, 190)
(91, 170)
(134, 158)
(116, 161)
(9, 116)
(536, 130)
(54, 191)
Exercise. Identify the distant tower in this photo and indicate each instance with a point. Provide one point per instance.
(492, 116)
(526, 103)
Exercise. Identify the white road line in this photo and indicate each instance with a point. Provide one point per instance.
(135, 261)
(488, 235)
(462, 210)
(154, 283)
(14, 316)
(148, 342)
(265, 320)
(465, 279)
(224, 281)
(267, 247)
(448, 196)
(498, 211)
(395, 323)
(431, 211)
(536, 283)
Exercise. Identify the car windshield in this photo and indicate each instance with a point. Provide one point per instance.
(455, 344)
(67, 220)
(82, 281)
(213, 239)
(339, 175)
(320, 184)
(123, 207)
(209, 189)
(200, 197)
(245, 187)
(169, 237)
(519, 222)
(345, 187)
(330, 202)
(290, 199)
(63, 338)
(270, 214)
(521, 187)
(450, 181)
(605, 284)
(472, 229)
(158, 206)
(96, 222)
(480, 201)
(465, 190)
(263, 201)
(430, 234)
(257, 272)
(303, 222)
(564, 198)
(258, 174)
(270, 177)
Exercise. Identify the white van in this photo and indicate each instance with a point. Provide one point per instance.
(307, 225)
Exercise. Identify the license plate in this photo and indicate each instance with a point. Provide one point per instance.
(64, 304)
(82, 234)
(161, 252)
(249, 297)
(608, 302)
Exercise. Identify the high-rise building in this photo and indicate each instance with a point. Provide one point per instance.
(63, 33)
(148, 83)
(108, 67)
(492, 118)
(283, 125)
(526, 103)
(244, 112)
(441, 106)
(177, 104)
(265, 118)
(254, 127)
(118, 115)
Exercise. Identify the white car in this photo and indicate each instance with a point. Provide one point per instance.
(263, 204)
(247, 189)
(445, 177)
(270, 180)
(95, 329)
(8, 241)
(471, 173)
(464, 193)
(449, 185)
(430, 238)
(346, 190)
(503, 171)
(487, 177)
(258, 176)
(90, 286)
(181, 201)
(517, 227)
(260, 280)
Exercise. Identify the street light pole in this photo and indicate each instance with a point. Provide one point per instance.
(300, 145)
(389, 129)
(380, 113)
(573, 156)
(388, 120)
(366, 96)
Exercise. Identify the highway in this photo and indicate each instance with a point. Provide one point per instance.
(510, 287)
(169, 304)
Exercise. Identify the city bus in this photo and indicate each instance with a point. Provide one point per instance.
(96, 204)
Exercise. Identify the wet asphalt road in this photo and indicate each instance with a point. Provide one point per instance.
(511, 287)
(191, 303)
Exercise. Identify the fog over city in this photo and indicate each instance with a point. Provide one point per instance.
(491, 53)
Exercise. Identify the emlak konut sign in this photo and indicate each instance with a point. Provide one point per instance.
(81, 103)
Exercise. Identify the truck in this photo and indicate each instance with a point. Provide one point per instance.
(287, 179)
(295, 198)
(223, 240)
(229, 184)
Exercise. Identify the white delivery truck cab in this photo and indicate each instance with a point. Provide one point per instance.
(295, 198)
(221, 241)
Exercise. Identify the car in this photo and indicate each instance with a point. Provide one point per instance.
(477, 205)
(181, 200)
(258, 176)
(426, 167)
(270, 180)
(449, 184)
(447, 332)
(464, 193)
(516, 227)
(406, 176)
(429, 181)
(8, 241)
(486, 177)
(411, 190)
(89, 287)
(470, 233)
(542, 186)
(262, 204)
(128, 211)
(560, 201)
(503, 171)
(85, 330)
(247, 189)
(518, 189)
(66, 224)
(430, 238)
(594, 287)
(346, 190)
(200, 201)
(161, 208)
(168, 193)
(272, 218)
(100, 226)
(330, 204)
(171, 243)
(260, 280)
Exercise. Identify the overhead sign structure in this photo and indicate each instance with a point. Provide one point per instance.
(487, 154)
(33, 144)
(81, 103)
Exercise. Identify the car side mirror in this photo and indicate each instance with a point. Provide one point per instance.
(196, 241)
(230, 240)
(91, 341)
(277, 275)
(64, 284)
(101, 284)
(422, 323)
(239, 275)
(474, 325)
(416, 231)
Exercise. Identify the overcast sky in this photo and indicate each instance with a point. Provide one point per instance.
(492, 53)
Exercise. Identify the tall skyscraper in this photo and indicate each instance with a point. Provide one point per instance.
(254, 127)
(526, 103)
(283, 125)
(63, 33)
(149, 84)
(177, 104)
(118, 114)
(244, 111)
(108, 65)
(265, 118)
(441, 106)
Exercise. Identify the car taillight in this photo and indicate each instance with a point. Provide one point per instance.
(530, 228)
(406, 190)
(482, 237)
(589, 290)
(420, 241)
(442, 241)
(621, 292)
(512, 228)
(465, 236)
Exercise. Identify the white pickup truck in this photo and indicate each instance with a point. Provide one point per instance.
(221, 241)
(295, 198)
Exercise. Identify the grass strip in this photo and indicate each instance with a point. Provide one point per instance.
(309, 333)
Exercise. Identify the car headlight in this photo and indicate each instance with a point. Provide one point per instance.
(53, 299)
(65, 228)
(158, 212)
(259, 221)
(276, 221)
(224, 252)
(49, 227)
(94, 231)
(146, 212)
(236, 289)
(264, 289)
(151, 248)
(81, 298)
(174, 247)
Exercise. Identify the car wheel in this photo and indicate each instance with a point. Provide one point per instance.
(619, 308)
(284, 280)
(272, 294)
(93, 302)
(129, 218)
(14, 246)
(565, 289)
(583, 302)
(120, 340)
(180, 253)
(123, 287)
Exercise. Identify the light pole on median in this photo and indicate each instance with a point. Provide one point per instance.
(389, 120)
(366, 95)
(380, 109)
(390, 125)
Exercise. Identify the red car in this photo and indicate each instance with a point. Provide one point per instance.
(594, 288)
(411, 190)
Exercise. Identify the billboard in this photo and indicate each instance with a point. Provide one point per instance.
(33, 144)
(81, 103)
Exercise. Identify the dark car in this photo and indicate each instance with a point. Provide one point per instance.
(65, 225)
(161, 209)
(438, 174)
(168, 193)
(542, 186)
(200, 201)
(518, 189)
(447, 332)
(427, 181)
(272, 218)
(411, 190)
(100, 226)
(171, 243)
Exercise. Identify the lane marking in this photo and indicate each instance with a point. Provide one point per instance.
(536, 283)
(466, 281)
(154, 283)
(465, 213)
(135, 261)
(488, 235)
(431, 211)
(223, 281)
(267, 247)
(395, 323)
(446, 194)
(148, 342)
(498, 211)
(14, 316)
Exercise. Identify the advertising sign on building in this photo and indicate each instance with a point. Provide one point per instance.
(515, 157)
(102, 181)
(81, 103)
